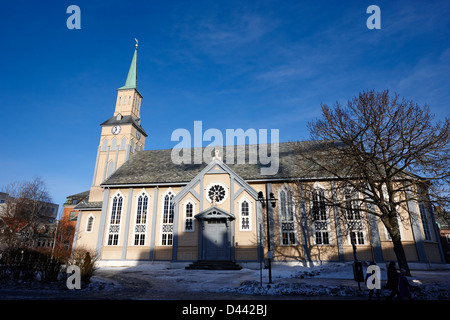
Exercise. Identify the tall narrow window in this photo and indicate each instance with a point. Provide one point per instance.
(189, 217)
(320, 218)
(141, 220)
(167, 225)
(114, 223)
(354, 220)
(424, 217)
(287, 223)
(90, 223)
(245, 216)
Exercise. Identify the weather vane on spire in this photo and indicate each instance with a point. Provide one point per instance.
(136, 42)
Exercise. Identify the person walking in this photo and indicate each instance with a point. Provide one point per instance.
(392, 281)
(403, 286)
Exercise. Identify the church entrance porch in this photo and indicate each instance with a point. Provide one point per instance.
(216, 235)
(216, 249)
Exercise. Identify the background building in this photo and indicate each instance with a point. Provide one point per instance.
(69, 220)
(21, 229)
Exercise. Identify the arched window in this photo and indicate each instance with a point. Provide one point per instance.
(90, 224)
(321, 223)
(167, 225)
(245, 224)
(168, 208)
(189, 217)
(354, 219)
(141, 220)
(114, 223)
(423, 209)
(287, 222)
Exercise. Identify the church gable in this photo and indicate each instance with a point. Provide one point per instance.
(217, 185)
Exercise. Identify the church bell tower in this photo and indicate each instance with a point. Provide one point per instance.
(122, 135)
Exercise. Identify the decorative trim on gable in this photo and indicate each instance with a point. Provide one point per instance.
(216, 169)
(214, 213)
(216, 166)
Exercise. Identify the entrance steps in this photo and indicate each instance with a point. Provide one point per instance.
(214, 265)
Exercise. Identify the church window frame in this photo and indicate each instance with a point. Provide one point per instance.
(90, 224)
(141, 219)
(168, 214)
(115, 220)
(424, 217)
(245, 214)
(216, 192)
(188, 215)
(320, 217)
(287, 214)
(354, 217)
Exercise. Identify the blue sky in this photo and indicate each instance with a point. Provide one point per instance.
(230, 64)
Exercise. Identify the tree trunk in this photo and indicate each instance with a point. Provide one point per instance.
(394, 231)
(400, 254)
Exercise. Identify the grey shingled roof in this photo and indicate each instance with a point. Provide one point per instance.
(156, 166)
(83, 194)
(86, 205)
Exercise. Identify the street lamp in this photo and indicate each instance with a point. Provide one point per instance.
(265, 203)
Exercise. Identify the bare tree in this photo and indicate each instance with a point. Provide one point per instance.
(26, 207)
(385, 151)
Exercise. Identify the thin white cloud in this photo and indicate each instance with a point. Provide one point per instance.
(221, 36)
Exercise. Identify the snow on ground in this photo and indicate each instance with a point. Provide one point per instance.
(337, 280)
(332, 280)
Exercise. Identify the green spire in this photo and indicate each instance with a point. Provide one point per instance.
(131, 82)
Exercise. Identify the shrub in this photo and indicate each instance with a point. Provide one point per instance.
(29, 264)
(85, 259)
